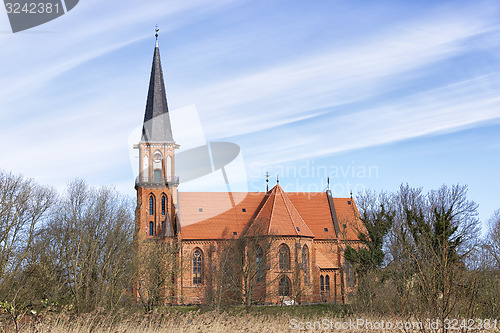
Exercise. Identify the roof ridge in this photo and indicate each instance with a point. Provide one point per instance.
(296, 211)
(272, 210)
(288, 210)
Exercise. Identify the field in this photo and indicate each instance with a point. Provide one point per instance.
(330, 318)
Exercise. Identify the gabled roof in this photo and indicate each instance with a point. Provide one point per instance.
(315, 210)
(156, 127)
(280, 216)
(349, 221)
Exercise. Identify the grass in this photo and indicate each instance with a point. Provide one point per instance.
(259, 319)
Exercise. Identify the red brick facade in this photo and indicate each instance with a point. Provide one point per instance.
(307, 232)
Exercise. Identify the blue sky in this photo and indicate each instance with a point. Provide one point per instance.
(375, 93)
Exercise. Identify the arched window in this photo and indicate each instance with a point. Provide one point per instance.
(169, 168)
(284, 286)
(163, 204)
(151, 205)
(322, 283)
(145, 168)
(305, 263)
(157, 162)
(151, 231)
(284, 257)
(327, 283)
(197, 267)
(260, 265)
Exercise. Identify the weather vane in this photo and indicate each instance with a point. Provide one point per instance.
(267, 181)
(156, 31)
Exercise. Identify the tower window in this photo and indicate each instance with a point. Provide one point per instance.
(145, 168)
(150, 228)
(157, 156)
(163, 204)
(151, 205)
(157, 176)
(169, 168)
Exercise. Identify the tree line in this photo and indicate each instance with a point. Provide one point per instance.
(72, 250)
(423, 255)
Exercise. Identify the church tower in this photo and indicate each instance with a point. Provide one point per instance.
(156, 183)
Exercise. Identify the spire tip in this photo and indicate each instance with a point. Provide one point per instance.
(156, 33)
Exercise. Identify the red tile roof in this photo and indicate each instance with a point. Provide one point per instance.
(280, 216)
(214, 215)
(315, 210)
(348, 217)
(211, 215)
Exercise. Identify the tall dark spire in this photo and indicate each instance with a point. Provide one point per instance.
(156, 126)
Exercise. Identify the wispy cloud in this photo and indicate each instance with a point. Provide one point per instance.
(70, 130)
(287, 93)
(448, 108)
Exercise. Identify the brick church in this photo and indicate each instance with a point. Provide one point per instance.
(290, 245)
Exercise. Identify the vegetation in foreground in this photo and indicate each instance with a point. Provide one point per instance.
(67, 264)
(321, 317)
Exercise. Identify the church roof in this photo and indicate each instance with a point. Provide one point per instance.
(280, 216)
(215, 215)
(349, 227)
(212, 215)
(156, 127)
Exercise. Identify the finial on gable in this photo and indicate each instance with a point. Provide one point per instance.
(156, 34)
(267, 181)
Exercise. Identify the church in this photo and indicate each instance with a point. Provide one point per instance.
(253, 248)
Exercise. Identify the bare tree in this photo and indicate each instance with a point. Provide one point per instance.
(244, 264)
(157, 268)
(426, 249)
(486, 264)
(492, 243)
(90, 241)
(24, 206)
(218, 291)
(431, 238)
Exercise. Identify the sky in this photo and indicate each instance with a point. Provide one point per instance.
(371, 94)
